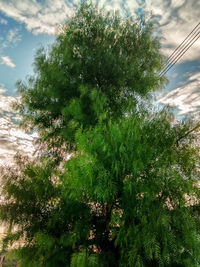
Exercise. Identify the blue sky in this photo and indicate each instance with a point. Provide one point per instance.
(19, 45)
(25, 25)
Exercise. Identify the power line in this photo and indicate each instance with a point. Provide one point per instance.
(180, 54)
(171, 56)
(176, 55)
(181, 49)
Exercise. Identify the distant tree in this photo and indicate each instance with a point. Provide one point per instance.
(122, 199)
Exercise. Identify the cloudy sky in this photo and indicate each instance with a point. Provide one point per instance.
(26, 25)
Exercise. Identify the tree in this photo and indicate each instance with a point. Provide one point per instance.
(96, 52)
(122, 197)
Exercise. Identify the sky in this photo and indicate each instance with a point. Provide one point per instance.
(26, 25)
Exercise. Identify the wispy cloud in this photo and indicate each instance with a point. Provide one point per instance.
(11, 39)
(7, 61)
(38, 17)
(43, 17)
(12, 139)
(13, 36)
(175, 20)
(185, 98)
(3, 21)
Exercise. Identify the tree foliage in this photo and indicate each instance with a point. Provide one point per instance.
(122, 197)
(96, 51)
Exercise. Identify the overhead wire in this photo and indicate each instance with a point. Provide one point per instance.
(180, 52)
(181, 49)
(171, 56)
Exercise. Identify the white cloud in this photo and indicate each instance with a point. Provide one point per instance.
(186, 98)
(119, 5)
(13, 36)
(7, 61)
(38, 17)
(12, 139)
(176, 19)
(2, 89)
(11, 39)
(44, 17)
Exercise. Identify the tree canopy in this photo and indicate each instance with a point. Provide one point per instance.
(96, 53)
(122, 198)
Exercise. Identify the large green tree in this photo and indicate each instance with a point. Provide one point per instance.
(116, 57)
(128, 195)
